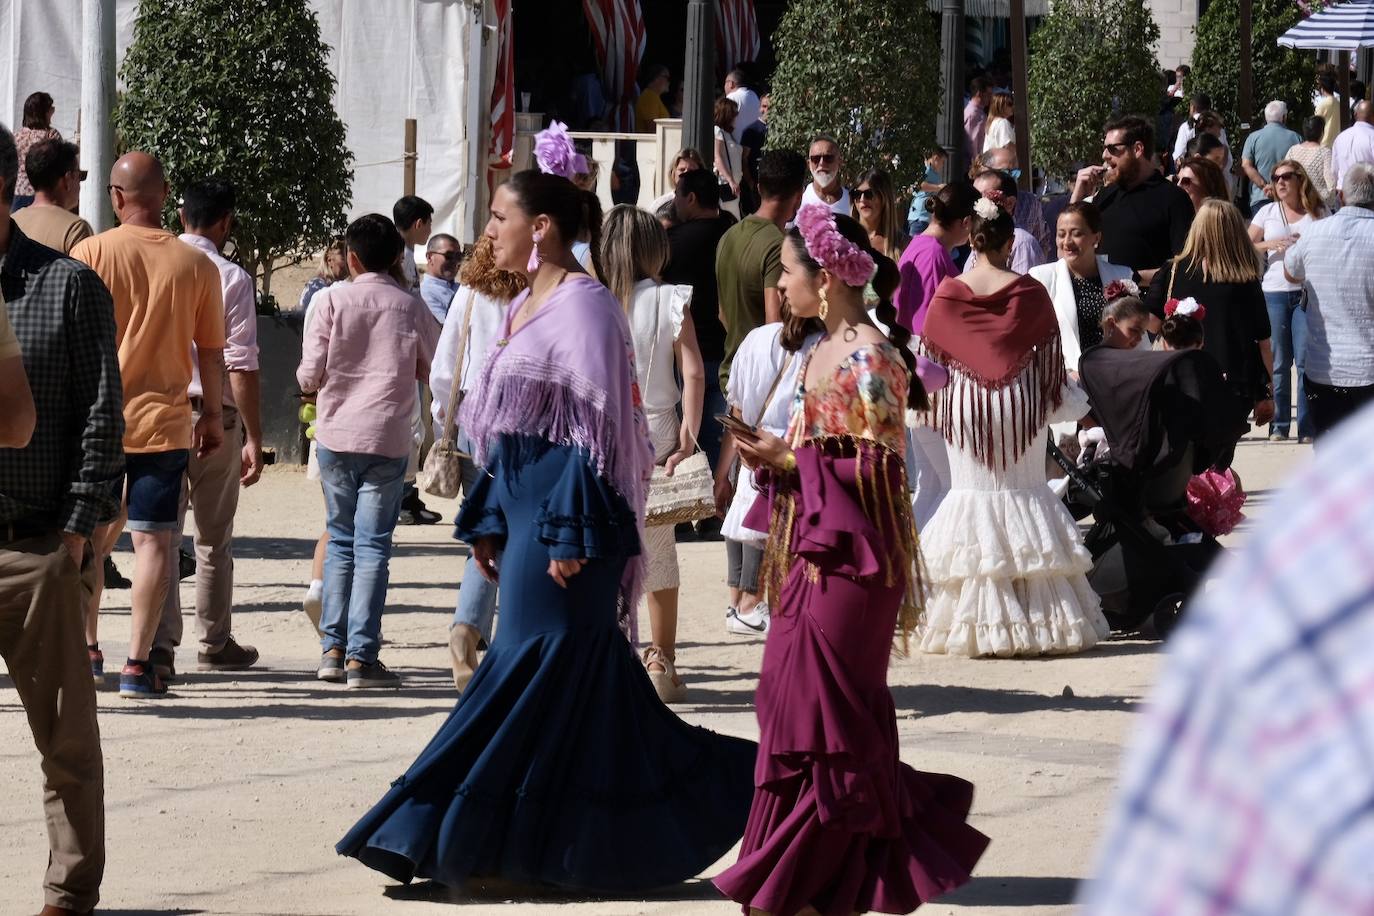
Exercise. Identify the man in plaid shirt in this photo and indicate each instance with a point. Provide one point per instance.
(53, 492)
(1250, 787)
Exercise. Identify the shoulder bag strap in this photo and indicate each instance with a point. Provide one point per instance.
(455, 390)
(1173, 275)
(773, 389)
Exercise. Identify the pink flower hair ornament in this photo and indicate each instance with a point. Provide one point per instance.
(555, 153)
(837, 254)
(1189, 307)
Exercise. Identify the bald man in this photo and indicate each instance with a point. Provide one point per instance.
(167, 297)
(1354, 144)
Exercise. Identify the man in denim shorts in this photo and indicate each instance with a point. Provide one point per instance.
(167, 297)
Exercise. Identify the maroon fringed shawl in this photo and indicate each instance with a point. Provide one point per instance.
(988, 343)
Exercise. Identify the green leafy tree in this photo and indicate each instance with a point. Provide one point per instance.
(242, 89)
(1277, 73)
(867, 72)
(1090, 61)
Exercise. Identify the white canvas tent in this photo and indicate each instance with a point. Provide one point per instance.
(392, 60)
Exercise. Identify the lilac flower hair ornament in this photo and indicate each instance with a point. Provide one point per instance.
(834, 252)
(555, 153)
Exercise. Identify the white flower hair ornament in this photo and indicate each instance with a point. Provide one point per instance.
(1189, 307)
(986, 209)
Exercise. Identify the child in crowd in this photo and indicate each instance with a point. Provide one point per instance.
(1215, 497)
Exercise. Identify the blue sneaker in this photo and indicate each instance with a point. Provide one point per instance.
(97, 664)
(140, 682)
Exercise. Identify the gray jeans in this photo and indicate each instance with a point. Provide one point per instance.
(742, 562)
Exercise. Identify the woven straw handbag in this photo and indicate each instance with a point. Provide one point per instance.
(687, 496)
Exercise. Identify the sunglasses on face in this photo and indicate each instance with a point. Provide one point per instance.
(1115, 149)
(1185, 182)
(1284, 176)
(823, 159)
(865, 194)
(450, 257)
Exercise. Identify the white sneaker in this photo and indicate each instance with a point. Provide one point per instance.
(313, 605)
(751, 623)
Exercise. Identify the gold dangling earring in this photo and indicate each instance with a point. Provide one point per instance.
(825, 305)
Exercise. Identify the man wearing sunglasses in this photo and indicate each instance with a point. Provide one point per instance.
(826, 165)
(1145, 219)
(1263, 150)
(443, 256)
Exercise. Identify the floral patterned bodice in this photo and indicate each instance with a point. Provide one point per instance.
(865, 397)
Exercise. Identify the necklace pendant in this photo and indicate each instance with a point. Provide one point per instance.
(502, 342)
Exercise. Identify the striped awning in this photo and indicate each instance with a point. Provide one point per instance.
(994, 9)
(1340, 27)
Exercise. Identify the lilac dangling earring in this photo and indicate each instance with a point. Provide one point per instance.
(535, 257)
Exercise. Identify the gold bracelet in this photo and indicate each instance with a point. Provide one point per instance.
(789, 461)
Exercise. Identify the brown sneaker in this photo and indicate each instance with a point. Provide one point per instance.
(233, 657)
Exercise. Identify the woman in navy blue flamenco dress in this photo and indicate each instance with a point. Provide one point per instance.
(559, 766)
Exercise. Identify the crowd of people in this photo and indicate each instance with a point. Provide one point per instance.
(873, 367)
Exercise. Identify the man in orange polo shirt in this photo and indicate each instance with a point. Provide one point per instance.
(167, 297)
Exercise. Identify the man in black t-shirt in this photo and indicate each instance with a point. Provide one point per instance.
(692, 261)
(1145, 217)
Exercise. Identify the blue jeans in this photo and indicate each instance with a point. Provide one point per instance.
(712, 405)
(476, 594)
(362, 499)
(1288, 330)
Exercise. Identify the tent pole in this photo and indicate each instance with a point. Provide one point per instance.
(1343, 75)
(698, 79)
(951, 125)
(97, 109)
(1020, 90)
(408, 169)
(1245, 103)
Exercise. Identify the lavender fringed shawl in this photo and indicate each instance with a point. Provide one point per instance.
(568, 376)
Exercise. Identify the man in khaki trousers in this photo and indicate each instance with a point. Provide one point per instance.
(213, 482)
(55, 486)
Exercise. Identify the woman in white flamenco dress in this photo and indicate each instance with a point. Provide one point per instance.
(1005, 564)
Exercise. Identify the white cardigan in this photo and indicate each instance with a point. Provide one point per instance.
(1055, 278)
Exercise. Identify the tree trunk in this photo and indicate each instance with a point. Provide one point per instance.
(266, 291)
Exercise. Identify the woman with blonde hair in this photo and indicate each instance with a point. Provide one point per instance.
(875, 208)
(1219, 268)
(333, 268)
(1001, 132)
(686, 160)
(634, 252)
(473, 323)
(1274, 229)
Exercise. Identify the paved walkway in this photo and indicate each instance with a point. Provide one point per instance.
(229, 798)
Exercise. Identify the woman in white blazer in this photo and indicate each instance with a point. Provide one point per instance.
(1076, 281)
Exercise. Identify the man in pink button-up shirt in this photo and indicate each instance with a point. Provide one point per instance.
(213, 482)
(367, 343)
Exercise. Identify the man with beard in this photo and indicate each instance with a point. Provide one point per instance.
(1145, 218)
(826, 165)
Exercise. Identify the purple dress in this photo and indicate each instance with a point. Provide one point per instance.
(838, 822)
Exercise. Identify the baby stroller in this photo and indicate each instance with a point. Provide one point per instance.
(1166, 415)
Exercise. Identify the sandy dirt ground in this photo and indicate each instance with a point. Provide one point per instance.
(230, 797)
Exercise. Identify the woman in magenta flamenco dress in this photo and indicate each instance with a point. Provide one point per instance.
(839, 824)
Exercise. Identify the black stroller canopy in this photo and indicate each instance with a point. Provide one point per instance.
(1153, 404)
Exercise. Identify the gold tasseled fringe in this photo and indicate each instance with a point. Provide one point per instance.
(880, 480)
